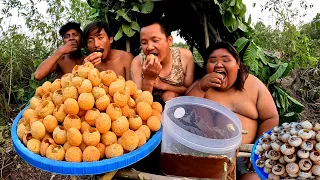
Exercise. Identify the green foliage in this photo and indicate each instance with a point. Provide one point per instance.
(196, 55)
(233, 12)
(269, 70)
(122, 15)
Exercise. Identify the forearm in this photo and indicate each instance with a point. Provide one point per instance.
(181, 90)
(196, 91)
(147, 85)
(46, 67)
(266, 125)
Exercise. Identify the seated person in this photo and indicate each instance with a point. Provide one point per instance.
(98, 38)
(168, 71)
(67, 56)
(227, 82)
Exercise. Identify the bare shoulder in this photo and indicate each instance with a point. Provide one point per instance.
(254, 82)
(124, 56)
(186, 53)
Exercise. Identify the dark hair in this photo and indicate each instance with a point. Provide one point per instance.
(68, 26)
(164, 29)
(242, 72)
(95, 25)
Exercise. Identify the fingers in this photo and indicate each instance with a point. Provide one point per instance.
(93, 58)
(96, 61)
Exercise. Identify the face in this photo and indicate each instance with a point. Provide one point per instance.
(99, 42)
(154, 41)
(222, 62)
(72, 35)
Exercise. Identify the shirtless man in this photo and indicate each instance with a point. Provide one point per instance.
(169, 71)
(67, 56)
(228, 83)
(98, 38)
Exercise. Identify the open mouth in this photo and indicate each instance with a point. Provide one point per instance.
(98, 50)
(224, 74)
(156, 54)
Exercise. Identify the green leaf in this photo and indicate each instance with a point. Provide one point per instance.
(249, 19)
(147, 7)
(243, 10)
(296, 102)
(228, 18)
(127, 30)
(262, 57)
(135, 8)
(241, 43)
(119, 34)
(123, 14)
(61, 9)
(273, 65)
(290, 114)
(281, 69)
(286, 72)
(264, 74)
(243, 27)
(134, 25)
(250, 56)
(233, 2)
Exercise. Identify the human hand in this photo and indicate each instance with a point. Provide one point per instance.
(151, 68)
(69, 47)
(94, 58)
(211, 80)
(159, 84)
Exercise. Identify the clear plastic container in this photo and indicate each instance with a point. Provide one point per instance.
(199, 127)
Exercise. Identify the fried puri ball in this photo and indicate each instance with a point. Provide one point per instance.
(115, 86)
(75, 70)
(103, 123)
(55, 85)
(94, 77)
(83, 146)
(81, 112)
(59, 135)
(156, 113)
(26, 137)
(145, 129)
(35, 118)
(39, 92)
(38, 130)
(55, 152)
(114, 111)
(45, 108)
(135, 122)
(144, 110)
(105, 87)
(47, 135)
(132, 86)
(76, 81)
(125, 110)
(86, 86)
(50, 122)
(70, 92)
(84, 126)
(71, 106)
(34, 102)
(34, 145)
(91, 153)
(120, 125)
(66, 80)
(129, 140)
(154, 123)
(45, 144)
(149, 57)
(108, 77)
(83, 70)
(131, 112)
(57, 97)
(59, 113)
(91, 137)
(157, 106)
(102, 102)
(102, 148)
(108, 138)
(86, 101)
(114, 150)
(72, 121)
(91, 116)
(98, 92)
(74, 137)
(21, 129)
(47, 96)
(145, 96)
(131, 103)
(73, 154)
(142, 138)
(137, 94)
(46, 87)
(121, 97)
(66, 146)
(27, 114)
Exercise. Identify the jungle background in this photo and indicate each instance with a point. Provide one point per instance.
(285, 56)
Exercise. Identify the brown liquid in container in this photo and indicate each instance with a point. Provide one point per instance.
(193, 166)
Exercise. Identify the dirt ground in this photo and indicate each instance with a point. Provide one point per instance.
(12, 167)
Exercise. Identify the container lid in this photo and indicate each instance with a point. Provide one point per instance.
(83, 168)
(202, 125)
